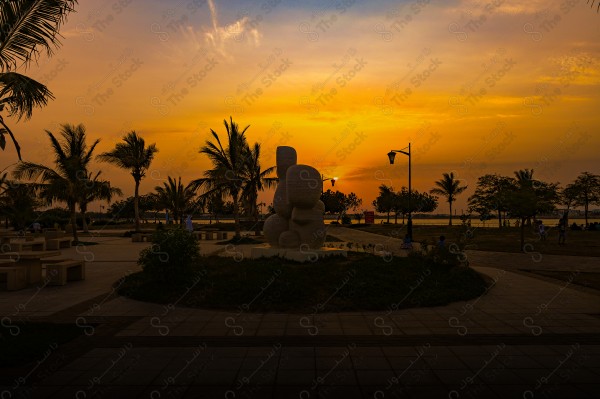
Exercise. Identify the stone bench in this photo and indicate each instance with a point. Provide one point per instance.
(59, 271)
(27, 245)
(16, 277)
(53, 244)
(210, 235)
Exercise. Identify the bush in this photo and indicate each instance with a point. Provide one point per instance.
(171, 256)
(346, 219)
(449, 256)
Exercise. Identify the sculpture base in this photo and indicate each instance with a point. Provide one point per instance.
(310, 255)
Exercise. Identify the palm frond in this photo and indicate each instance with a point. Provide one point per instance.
(29, 26)
(21, 94)
(33, 171)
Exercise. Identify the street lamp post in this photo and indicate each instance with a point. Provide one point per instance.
(392, 155)
(332, 179)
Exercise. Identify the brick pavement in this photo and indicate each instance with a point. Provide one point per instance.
(525, 338)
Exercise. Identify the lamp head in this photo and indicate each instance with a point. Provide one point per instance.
(391, 155)
(333, 181)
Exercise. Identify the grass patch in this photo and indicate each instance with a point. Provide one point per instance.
(359, 282)
(23, 343)
(506, 239)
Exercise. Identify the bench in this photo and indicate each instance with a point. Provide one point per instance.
(27, 245)
(141, 237)
(58, 243)
(221, 235)
(59, 271)
(16, 277)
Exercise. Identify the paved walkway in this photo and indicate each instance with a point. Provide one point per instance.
(525, 338)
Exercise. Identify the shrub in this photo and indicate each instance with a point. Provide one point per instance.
(171, 256)
(450, 256)
(346, 219)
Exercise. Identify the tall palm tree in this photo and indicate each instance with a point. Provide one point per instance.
(29, 27)
(133, 155)
(66, 182)
(524, 180)
(95, 189)
(448, 187)
(175, 197)
(229, 168)
(255, 180)
(524, 177)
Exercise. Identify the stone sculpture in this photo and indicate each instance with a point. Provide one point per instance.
(298, 219)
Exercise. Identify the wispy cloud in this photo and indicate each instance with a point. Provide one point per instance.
(219, 37)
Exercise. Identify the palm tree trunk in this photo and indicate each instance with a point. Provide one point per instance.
(499, 219)
(84, 222)
(136, 205)
(12, 136)
(523, 233)
(73, 209)
(388, 218)
(450, 223)
(236, 216)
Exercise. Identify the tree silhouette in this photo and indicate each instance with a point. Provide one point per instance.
(175, 197)
(491, 195)
(67, 181)
(236, 171)
(134, 156)
(254, 180)
(448, 187)
(95, 189)
(28, 27)
(384, 203)
(585, 190)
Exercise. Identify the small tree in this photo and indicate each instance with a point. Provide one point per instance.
(491, 195)
(585, 190)
(384, 203)
(340, 203)
(527, 201)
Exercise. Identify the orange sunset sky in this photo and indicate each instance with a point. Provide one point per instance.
(476, 86)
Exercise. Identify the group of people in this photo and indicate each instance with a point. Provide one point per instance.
(562, 229)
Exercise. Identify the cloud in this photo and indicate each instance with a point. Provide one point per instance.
(219, 37)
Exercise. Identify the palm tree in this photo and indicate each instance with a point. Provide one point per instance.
(175, 197)
(28, 28)
(95, 189)
(448, 187)
(255, 180)
(66, 182)
(524, 177)
(229, 168)
(133, 155)
(524, 180)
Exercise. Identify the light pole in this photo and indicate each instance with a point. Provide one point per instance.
(332, 179)
(392, 155)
